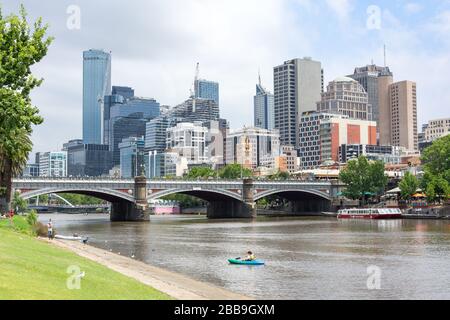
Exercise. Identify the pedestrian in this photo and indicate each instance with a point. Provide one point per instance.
(50, 229)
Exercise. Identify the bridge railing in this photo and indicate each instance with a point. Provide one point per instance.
(162, 180)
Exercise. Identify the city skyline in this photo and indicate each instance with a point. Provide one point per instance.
(155, 69)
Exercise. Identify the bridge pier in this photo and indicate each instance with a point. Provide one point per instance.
(128, 211)
(309, 205)
(227, 209)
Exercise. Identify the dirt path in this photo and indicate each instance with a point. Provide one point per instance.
(174, 284)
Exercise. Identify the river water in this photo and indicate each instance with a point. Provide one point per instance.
(306, 258)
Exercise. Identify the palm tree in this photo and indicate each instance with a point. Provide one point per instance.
(14, 151)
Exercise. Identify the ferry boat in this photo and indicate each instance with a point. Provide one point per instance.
(370, 213)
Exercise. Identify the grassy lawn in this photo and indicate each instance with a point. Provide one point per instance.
(31, 269)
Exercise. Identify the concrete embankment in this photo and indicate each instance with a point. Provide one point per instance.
(174, 284)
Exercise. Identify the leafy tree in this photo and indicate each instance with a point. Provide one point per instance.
(438, 189)
(201, 172)
(408, 185)
(280, 175)
(436, 163)
(436, 158)
(19, 203)
(21, 46)
(363, 178)
(185, 201)
(234, 171)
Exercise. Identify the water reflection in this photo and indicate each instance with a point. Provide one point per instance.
(307, 258)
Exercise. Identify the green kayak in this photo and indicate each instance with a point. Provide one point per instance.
(246, 262)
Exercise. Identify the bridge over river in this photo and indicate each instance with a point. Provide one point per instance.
(130, 198)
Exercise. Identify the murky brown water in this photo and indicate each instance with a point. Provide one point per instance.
(306, 258)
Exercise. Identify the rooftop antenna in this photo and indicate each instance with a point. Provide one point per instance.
(259, 77)
(385, 55)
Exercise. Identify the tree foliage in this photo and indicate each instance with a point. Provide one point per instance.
(436, 164)
(234, 171)
(18, 203)
(363, 178)
(201, 172)
(408, 185)
(280, 175)
(21, 46)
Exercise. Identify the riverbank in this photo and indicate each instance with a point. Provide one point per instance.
(174, 284)
(35, 270)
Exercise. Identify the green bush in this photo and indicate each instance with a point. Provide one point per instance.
(32, 218)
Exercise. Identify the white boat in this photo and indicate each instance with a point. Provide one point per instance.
(58, 236)
(370, 213)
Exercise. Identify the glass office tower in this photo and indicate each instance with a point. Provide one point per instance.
(207, 90)
(264, 113)
(96, 85)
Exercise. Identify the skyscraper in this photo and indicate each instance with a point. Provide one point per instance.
(368, 77)
(132, 157)
(298, 84)
(204, 110)
(263, 101)
(253, 147)
(400, 111)
(87, 160)
(206, 89)
(346, 96)
(96, 85)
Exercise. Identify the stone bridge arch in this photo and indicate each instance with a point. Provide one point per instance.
(109, 195)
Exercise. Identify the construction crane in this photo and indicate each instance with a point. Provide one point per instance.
(197, 72)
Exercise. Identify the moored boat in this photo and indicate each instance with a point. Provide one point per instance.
(370, 213)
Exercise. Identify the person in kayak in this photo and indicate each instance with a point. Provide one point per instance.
(250, 256)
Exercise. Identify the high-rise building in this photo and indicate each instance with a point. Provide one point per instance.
(31, 170)
(337, 131)
(368, 77)
(155, 134)
(87, 160)
(188, 140)
(132, 157)
(203, 110)
(298, 84)
(291, 156)
(215, 141)
(321, 134)
(96, 85)
(53, 164)
(386, 154)
(345, 96)
(125, 127)
(205, 89)
(264, 113)
(399, 109)
(436, 129)
(253, 147)
(127, 118)
(309, 138)
(384, 107)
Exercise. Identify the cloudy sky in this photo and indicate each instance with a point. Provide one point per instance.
(156, 44)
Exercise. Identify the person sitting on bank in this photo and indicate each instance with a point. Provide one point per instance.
(250, 256)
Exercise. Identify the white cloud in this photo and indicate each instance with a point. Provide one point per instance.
(342, 8)
(413, 8)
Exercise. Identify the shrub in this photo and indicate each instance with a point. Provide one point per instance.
(32, 218)
(41, 229)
